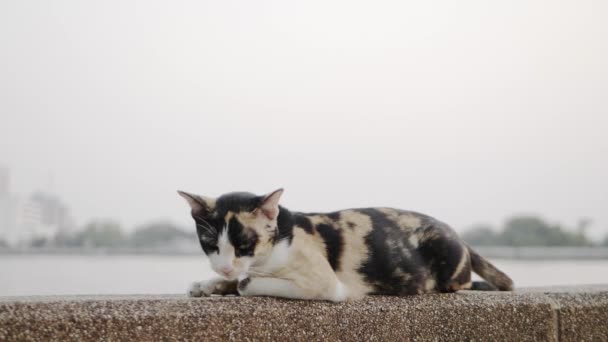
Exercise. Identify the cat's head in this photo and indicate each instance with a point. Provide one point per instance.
(236, 230)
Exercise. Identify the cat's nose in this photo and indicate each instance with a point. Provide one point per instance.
(226, 270)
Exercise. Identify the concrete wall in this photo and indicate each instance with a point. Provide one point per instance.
(541, 314)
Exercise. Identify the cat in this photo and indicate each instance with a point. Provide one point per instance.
(260, 248)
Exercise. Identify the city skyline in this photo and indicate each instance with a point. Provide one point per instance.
(597, 236)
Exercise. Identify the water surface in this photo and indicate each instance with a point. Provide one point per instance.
(157, 274)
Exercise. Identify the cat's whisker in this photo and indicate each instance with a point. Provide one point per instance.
(208, 229)
(206, 226)
(204, 221)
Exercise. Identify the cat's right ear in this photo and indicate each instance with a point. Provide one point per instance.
(201, 206)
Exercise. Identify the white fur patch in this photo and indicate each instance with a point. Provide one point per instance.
(202, 288)
(225, 254)
(430, 284)
(413, 241)
(269, 287)
(279, 255)
(340, 292)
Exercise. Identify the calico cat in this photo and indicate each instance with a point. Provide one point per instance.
(259, 248)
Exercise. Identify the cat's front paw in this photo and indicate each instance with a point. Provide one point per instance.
(201, 289)
(242, 286)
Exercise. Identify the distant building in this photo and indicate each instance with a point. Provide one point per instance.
(4, 180)
(8, 209)
(41, 215)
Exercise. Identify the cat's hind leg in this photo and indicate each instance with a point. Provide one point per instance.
(483, 286)
(450, 263)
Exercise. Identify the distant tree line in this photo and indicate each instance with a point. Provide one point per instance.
(529, 231)
(109, 234)
(516, 231)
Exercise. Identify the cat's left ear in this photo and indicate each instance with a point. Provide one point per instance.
(269, 205)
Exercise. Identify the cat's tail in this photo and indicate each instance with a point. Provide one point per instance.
(495, 277)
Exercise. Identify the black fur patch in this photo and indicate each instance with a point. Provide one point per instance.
(243, 240)
(442, 255)
(285, 223)
(483, 286)
(207, 230)
(242, 285)
(236, 202)
(303, 222)
(465, 274)
(335, 216)
(386, 260)
(334, 244)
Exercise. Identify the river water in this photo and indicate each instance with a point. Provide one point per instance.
(159, 274)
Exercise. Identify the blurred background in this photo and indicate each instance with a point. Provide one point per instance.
(492, 117)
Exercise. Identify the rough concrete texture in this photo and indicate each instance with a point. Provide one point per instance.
(536, 314)
(582, 311)
(582, 316)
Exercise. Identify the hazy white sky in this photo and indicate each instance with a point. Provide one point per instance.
(468, 110)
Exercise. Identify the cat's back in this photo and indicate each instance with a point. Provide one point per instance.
(389, 230)
(380, 220)
(374, 250)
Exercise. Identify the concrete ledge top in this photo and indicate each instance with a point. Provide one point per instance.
(569, 290)
(561, 313)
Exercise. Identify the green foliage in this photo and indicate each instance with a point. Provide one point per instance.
(108, 234)
(528, 231)
(66, 239)
(157, 234)
(516, 231)
(38, 242)
(480, 235)
(101, 233)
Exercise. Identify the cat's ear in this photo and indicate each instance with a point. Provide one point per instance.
(269, 205)
(201, 206)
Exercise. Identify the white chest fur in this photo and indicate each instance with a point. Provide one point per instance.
(279, 257)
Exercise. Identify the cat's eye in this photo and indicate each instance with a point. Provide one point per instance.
(244, 250)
